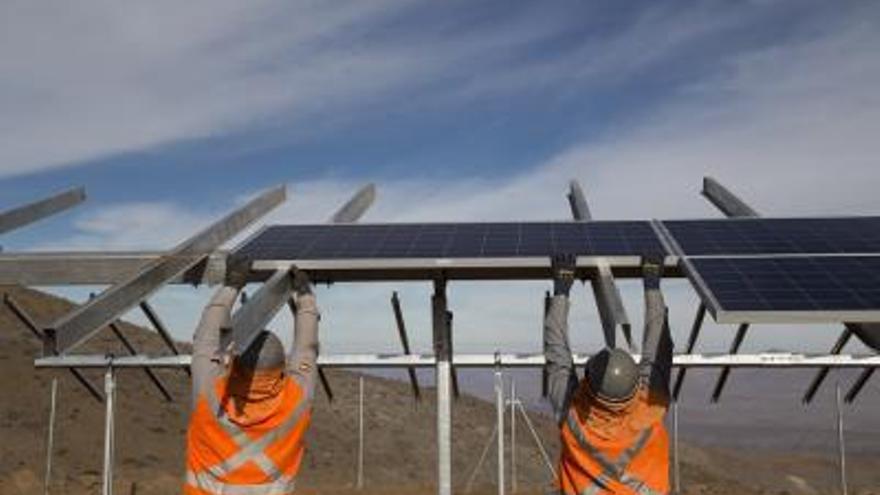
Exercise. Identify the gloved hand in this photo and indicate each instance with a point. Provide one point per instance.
(563, 266)
(237, 270)
(301, 283)
(652, 270)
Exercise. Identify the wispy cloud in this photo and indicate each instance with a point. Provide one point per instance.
(791, 127)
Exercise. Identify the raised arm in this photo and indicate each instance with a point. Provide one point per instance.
(561, 377)
(303, 358)
(207, 356)
(656, 363)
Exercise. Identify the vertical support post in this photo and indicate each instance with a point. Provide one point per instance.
(50, 441)
(513, 401)
(109, 441)
(440, 324)
(360, 472)
(841, 446)
(692, 342)
(676, 467)
(499, 418)
(544, 377)
(725, 371)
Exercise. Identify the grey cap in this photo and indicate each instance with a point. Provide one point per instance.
(265, 353)
(613, 375)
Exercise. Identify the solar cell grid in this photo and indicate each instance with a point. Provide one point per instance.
(852, 235)
(465, 240)
(808, 283)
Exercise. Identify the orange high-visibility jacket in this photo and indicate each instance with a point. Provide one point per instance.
(609, 449)
(250, 446)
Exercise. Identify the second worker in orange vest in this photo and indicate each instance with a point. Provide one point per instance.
(612, 434)
(249, 416)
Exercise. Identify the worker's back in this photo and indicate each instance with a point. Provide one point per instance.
(614, 448)
(246, 435)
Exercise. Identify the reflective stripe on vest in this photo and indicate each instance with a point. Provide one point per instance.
(612, 470)
(250, 451)
(205, 482)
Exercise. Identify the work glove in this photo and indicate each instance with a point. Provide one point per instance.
(301, 284)
(237, 271)
(652, 271)
(563, 266)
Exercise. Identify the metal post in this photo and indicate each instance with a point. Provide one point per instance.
(513, 400)
(50, 443)
(110, 394)
(841, 447)
(676, 473)
(360, 472)
(499, 413)
(443, 378)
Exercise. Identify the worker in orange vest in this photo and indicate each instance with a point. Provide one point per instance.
(612, 434)
(249, 416)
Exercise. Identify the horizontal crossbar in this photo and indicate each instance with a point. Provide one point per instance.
(763, 360)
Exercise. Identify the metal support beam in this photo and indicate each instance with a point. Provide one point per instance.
(26, 214)
(612, 312)
(859, 384)
(360, 469)
(454, 373)
(98, 268)
(844, 338)
(26, 320)
(161, 329)
(76, 327)
(50, 441)
(509, 360)
(499, 422)
(262, 306)
(404, 342)
(355, 207)
(841, 444)
(725, 371)
(578, 202)
(133, 352)
(442, 368)
(350, 212)
(109, 429)
(732, 207)
(869, 334)
(726, 201)
(692, 342)
(544, 377)
(513, 400)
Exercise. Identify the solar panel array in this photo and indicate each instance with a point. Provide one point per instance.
(762, 236)
(803, 283)
(453, 240)
(754, 265)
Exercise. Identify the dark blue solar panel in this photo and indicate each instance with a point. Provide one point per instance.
(808, 283)
(452, 240)
(851, 235)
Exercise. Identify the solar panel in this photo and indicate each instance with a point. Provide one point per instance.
(452, 240)
(848, 235)
(790, 284)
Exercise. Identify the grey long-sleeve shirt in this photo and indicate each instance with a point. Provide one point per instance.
(207, 364)
(655, 364)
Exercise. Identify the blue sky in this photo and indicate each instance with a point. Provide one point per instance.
(171, 114)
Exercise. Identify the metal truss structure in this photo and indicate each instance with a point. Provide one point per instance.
(132, 277)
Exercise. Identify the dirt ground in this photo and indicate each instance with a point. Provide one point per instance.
(399, 440)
